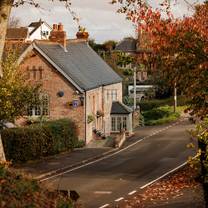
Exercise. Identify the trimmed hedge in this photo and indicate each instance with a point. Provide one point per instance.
(150, 104)
(161, 115)
(36, 141)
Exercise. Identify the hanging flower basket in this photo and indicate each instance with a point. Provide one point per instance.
(90, 119)
(99, 113)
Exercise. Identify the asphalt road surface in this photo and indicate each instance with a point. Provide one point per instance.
(157, 150)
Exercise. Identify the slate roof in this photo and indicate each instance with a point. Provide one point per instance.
(127, 45)
(35, 24)
(120, 108)
(17, 33)
(81, 63)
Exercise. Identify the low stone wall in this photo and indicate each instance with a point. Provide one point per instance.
(119, 138)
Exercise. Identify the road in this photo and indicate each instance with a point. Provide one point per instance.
(152, 152)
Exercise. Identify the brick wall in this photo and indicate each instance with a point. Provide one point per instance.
(52, 82)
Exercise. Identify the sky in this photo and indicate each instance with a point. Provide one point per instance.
(98, 16)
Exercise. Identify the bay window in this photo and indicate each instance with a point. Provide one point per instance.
(118, 123)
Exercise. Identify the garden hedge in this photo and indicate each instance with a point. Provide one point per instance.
(155, 103)
(39, 140)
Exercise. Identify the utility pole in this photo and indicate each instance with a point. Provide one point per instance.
(175, 97)
(135, 104)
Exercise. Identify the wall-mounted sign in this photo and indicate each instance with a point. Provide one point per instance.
(75, 103)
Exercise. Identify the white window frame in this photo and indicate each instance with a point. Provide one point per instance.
(115, 120)
(42, 109)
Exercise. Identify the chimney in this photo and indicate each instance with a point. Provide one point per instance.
(82, 33)
(58, 35)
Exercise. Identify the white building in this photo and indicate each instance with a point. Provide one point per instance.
(38, 30)
(35, 31)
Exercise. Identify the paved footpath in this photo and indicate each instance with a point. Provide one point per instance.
(59, 163)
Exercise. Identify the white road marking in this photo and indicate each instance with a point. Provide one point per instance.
(131, 193)
(119, 199)
(164, 175)
(98, 160)
(106, 205)
(103, 192)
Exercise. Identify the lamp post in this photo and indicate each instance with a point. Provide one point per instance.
(175, 97)
(135, 104)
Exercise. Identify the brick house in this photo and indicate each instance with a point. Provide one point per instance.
(75, 83)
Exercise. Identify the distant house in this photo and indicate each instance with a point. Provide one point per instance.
(35, 31)
(131, 47)
(17, 34)
(39, 30)
(77, 84)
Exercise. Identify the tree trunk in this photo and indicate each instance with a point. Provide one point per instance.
(5, 9)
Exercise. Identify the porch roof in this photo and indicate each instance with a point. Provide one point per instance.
(120, 108)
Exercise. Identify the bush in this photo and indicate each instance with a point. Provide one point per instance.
(36, 141)
(18, 191)
(150, 104)
(160, 115)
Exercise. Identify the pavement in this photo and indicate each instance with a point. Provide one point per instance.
(150, 153)
(59, 163)
(53, 165)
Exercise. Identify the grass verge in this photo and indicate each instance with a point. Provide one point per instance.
(162, 115)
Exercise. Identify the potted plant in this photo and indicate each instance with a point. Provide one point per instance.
(99, 113)
(82, 33)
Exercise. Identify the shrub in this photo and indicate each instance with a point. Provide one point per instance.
(36, 141)
(79, 144)
(160, 115)
(18, 191)
(150, 104)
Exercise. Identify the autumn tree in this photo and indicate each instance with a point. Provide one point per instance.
(14, 22)
(180, 47)
(15, 93)
(5, 10)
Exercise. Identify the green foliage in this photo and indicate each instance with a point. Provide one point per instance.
(18, 191)
(150, 104)
(124, 59)
(141, 120)
(201, 133)
(128, 72)
(128, 101)
(15, 94)
(36, 141)
(160, 115)
(79, 144)
(90, 119)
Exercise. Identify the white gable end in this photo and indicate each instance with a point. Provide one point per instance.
(41, 33)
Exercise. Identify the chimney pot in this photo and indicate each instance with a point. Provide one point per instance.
(60, 27)
(58, 35)
(55, 27)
